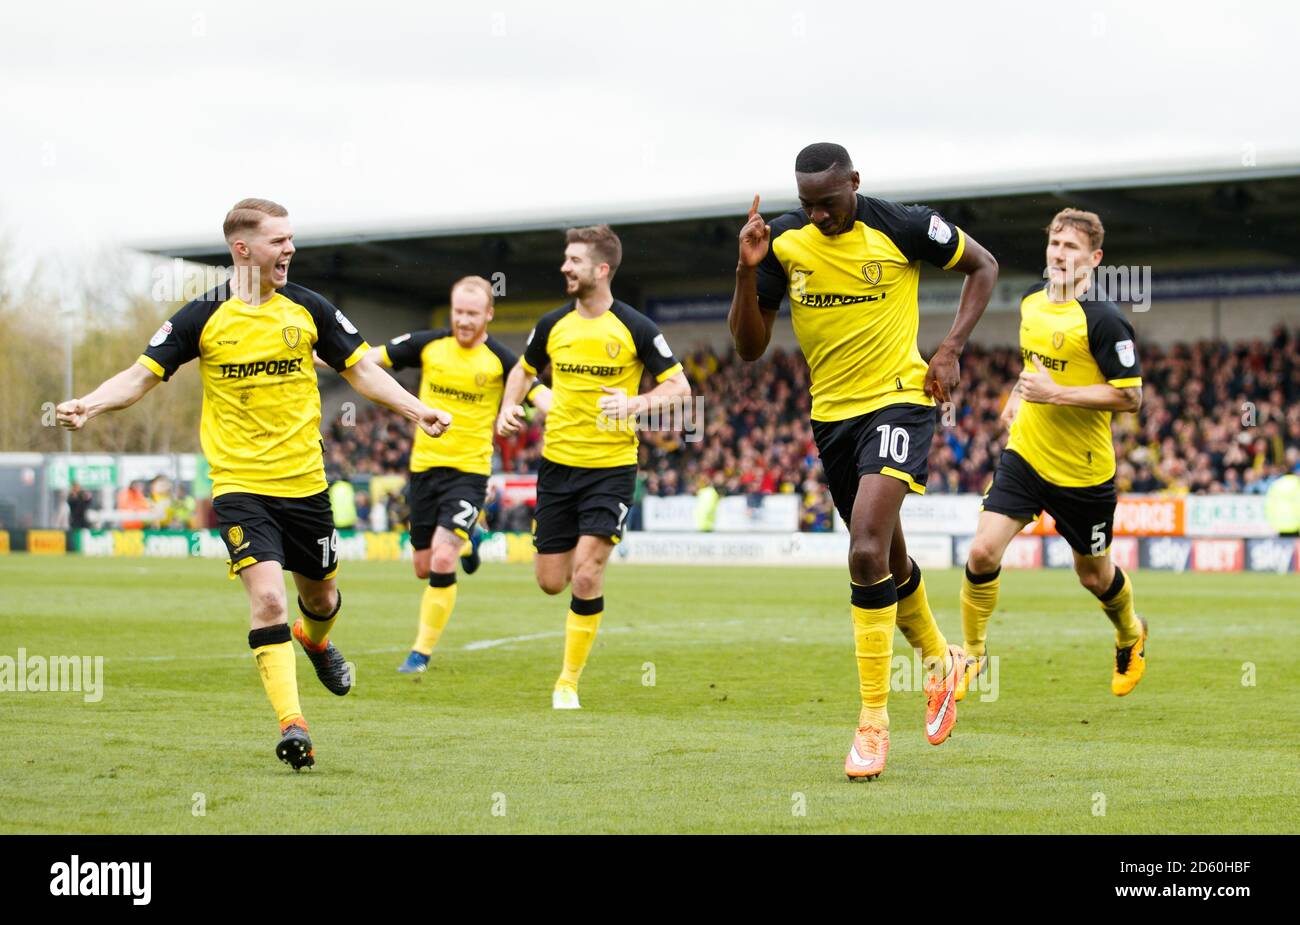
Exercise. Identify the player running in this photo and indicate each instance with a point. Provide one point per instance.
(850, 266)
(464, 370)
(1081, 366)
(597, 348)
(260, 432)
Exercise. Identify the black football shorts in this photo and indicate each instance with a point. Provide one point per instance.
(445, 497)
(573, 501)
(893, 441)
(1084, 516)
(296, 532)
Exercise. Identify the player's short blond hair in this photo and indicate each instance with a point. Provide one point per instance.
(1087, 222)
(604, 244)
(247, 215)
(474, 282)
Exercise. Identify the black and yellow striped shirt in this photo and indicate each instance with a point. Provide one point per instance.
(466, 383)
(853, 301)
(260, 429)
(586, 354)
(1079, 343)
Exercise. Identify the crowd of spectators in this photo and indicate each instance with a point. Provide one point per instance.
(1216, 417)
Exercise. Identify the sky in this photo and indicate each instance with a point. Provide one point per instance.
(142, 123)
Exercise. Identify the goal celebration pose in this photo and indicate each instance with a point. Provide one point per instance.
(1081, 366)
(597, 348)
(850, 265)
(260, 432)
(464, 369)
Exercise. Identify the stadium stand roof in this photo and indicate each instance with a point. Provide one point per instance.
(1176, 218)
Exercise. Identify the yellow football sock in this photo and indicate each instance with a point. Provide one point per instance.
(317, 628)
(579, 635)
(435, 610)
(273, 653)
(918, 625)
(1117, 602)
(875, 612)
(979, 595)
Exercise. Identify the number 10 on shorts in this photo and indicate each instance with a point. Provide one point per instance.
(893, 443)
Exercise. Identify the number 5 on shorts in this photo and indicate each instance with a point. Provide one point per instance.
(1098, 539)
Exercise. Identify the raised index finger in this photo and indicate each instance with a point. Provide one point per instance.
(753, 210)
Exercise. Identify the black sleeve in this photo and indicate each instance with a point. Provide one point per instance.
(651, 346)
(338, 342)
(404, 350)
(504, 354)
(772, 281)
(1111, 340)
(920, 232)
(177, 341)
(535, 354)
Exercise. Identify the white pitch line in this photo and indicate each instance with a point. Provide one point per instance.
(477, 645)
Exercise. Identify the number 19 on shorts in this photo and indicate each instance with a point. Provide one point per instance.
(329, 548)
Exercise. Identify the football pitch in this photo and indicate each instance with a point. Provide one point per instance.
(716, 700)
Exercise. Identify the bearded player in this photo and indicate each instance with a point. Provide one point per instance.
(597, 348)
(260, 432)
(464, 370)
(1081, 367)
(850, 265)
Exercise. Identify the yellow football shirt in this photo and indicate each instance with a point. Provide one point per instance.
(586, 354)
(260, 429)
(466, 383)
(853, 301)
(1080, 343)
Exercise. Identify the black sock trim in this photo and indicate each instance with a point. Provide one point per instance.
(268, 635)
(913, 582)
(338, 604)
(442, 579)
(873, 597)
(587, 608)
(1116, 586)
(982, 579)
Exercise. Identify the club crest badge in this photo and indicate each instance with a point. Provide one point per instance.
(871, 272)
(612, 349)
(292, 335)
(236, 534)
(480, 379)
(799, 283)
(1058, 340)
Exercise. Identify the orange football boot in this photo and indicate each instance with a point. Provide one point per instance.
(866, 758)
(941, 698)
(1130, 665)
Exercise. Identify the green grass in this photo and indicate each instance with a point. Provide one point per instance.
(753, 704)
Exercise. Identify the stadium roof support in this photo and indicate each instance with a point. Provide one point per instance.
(1195, 219)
